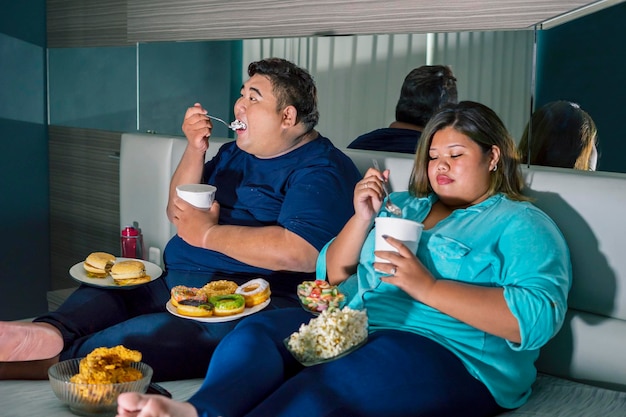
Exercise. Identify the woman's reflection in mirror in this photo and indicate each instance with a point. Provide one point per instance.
(560, 134)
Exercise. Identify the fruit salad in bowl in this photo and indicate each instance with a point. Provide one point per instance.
(317, 296)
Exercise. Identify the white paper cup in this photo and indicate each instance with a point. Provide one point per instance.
(198, 195)
(408, 231)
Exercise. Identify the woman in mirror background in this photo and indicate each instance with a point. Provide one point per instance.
(560, 134)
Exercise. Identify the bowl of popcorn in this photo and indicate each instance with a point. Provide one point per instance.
(317, 296)
(90, 386)
(329, 336)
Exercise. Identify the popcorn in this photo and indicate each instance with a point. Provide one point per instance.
(330, 334)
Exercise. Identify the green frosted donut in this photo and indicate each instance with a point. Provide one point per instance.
(227, 305)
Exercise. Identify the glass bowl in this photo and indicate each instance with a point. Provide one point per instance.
(93, 399)
(318, 361)
(317, 296)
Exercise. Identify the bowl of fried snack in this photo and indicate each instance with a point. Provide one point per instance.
(90, 385)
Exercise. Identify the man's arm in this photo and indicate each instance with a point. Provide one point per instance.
(270, 247)
(197, 128)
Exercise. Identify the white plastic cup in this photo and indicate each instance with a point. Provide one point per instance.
(407, 231)
(198, 195)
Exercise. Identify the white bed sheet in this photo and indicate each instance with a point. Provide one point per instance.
(552, 397)
(36, 399)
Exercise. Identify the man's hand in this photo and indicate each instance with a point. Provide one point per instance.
(192, 223)
(197, 127)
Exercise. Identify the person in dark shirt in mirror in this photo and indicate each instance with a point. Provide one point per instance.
(561, 134)
(424, 90)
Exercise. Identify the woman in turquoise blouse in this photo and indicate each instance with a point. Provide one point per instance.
(454, 329)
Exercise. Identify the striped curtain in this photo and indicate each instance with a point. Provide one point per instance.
(359, 77)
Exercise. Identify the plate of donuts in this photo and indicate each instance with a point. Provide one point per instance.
(219, 319)
(219, 300)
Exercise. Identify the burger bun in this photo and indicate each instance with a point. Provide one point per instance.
(98, 264)
(129, 273)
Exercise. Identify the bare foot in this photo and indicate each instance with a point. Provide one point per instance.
(132, 404)
(24, 341)
(27, 369)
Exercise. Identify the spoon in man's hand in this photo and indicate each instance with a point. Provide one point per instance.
(237, 124)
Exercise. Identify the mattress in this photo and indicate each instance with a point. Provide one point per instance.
(556, 397)
(35, 398)
(552, 397)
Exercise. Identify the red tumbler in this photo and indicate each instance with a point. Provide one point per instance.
(131, 241)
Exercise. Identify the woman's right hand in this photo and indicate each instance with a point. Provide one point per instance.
(342, 256)
(368, 195)
(197, 127)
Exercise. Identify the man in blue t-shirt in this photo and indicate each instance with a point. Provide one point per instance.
(283, 191)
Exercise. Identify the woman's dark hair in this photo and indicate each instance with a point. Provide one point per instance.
(292, 86)
(482, 125)
(561, 134)
(424, 91)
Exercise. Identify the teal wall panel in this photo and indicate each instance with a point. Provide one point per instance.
(175, 75)
(22, 70)
(24, 205)
(584, 61)
(25, 20)
(93, 88)
(146, 87)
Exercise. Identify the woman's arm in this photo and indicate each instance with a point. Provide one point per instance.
(342, 256)
(343, 253)
(481, 307)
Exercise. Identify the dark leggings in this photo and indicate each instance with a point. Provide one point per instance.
(394, 374)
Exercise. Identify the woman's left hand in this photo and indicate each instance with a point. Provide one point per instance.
(405, 270)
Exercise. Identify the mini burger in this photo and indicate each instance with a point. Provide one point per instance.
(98, 264)
(129, 273)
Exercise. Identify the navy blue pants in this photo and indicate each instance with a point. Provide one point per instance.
(394, 374)
(176, 348)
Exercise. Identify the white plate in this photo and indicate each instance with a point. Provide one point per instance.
(246, 312)
(79, 274)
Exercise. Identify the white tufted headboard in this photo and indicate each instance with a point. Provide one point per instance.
(147, 163)
(589, 209)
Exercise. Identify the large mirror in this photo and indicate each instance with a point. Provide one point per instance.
(358, 77)
(583, 61)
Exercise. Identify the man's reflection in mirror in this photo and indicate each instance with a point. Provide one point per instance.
(560, 134)
(425, 89)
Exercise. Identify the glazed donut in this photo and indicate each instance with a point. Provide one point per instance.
(255, 291)
(227, 304)
(220, 287)
(195, 308)
(181, 292)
